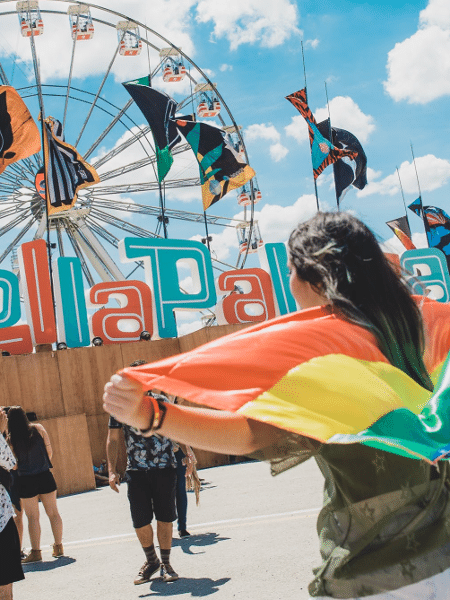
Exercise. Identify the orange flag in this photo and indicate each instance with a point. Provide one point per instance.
(19, 134)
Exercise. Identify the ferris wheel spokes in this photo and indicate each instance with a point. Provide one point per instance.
(69, 80)
(79, 254)
(105, 267)
(149, 186)
(17, 239)
(97, 95)
(105, 132)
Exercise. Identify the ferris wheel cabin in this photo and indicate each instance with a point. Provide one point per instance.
(209, 105)
(31, 23)
(243, 234)
(245, 195)
(235, 139)
(81, 23)
(172, 65)
(130, 43)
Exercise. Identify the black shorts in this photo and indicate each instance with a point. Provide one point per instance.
(10, 560)
(151, 493)
(30, 486)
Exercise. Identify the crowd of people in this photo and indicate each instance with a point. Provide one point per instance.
(383, 528)
(156, 474)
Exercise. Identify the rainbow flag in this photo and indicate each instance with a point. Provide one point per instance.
(317, 375)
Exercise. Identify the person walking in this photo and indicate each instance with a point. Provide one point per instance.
(10, 558)
(151, 480)
(32, 448)
(346, 380)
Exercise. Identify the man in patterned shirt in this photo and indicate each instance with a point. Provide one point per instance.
(151, 477)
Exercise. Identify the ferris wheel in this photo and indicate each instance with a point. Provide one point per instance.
(43, 52)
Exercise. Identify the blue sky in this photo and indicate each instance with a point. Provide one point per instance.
(387, 72)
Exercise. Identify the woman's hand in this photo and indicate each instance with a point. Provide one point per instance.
(124, 399)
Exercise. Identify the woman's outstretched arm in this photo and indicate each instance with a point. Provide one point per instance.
(216, 431)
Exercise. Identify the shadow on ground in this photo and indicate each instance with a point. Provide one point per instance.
(48, 565)
(197, 588)
(189, 544)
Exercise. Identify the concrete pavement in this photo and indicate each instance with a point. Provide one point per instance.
(253, 537)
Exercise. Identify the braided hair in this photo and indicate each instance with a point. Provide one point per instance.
(342, 260)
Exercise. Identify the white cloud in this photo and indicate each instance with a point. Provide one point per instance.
(270, 133)
(187, 322)
(345, 114)
(420, 240)
(275, 224)
(419, 67)
(278, 152)
(312, 43)
(254, 21)
(394, 245)
(226, 67)
(436, 13)
(262, 131)
(298, 129)
(433, 173)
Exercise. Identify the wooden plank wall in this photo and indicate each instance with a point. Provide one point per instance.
(72, 459)
(64, 388)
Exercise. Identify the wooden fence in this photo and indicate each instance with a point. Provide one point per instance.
(64, 388)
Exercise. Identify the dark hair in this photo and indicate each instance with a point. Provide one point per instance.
(341, 258)
(20, 430)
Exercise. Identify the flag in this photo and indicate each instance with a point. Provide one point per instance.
(221, 167)
(159, 110)
(65, 170)
(317, 375)
(437, 225)
(323, 153)
(402, 230)
(19, 134)
(347, 171)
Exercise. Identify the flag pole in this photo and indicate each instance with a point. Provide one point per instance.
(306, 96)
(403, 196)
(424, 219)
(44, 159)
(161, 185)
(330, 133)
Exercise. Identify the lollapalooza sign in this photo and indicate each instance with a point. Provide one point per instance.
(63, 315)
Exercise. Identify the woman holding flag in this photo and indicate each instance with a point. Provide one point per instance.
(348, 380)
